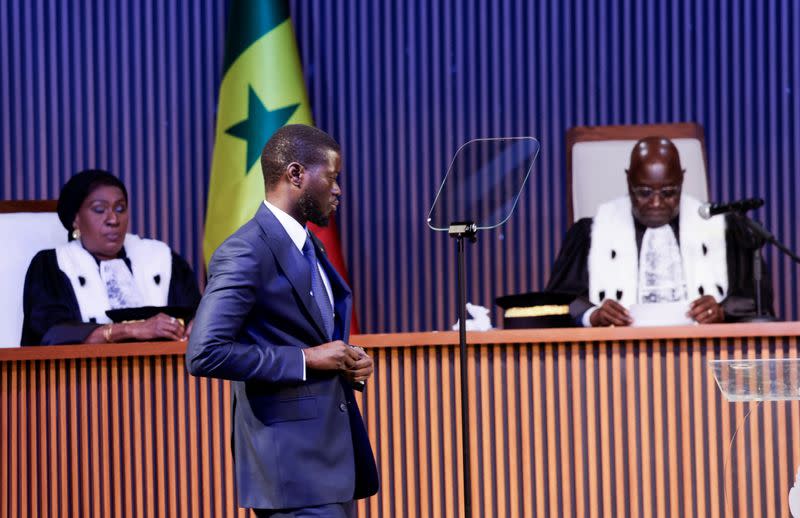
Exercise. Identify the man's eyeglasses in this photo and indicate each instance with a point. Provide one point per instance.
(647, 193)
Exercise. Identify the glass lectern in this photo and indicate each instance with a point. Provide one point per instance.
(755, 381)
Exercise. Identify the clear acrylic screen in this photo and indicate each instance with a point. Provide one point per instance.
(484, 182)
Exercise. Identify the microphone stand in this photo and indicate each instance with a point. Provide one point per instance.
(762, 236)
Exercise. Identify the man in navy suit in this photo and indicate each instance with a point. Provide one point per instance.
(274, 319)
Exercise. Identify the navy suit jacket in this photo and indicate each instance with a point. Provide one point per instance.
(295, 443)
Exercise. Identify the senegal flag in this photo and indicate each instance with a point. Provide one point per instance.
(262, 89)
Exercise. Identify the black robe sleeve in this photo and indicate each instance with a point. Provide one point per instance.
(183, 290)
(740, 303)
(51, 312)
(571, 269)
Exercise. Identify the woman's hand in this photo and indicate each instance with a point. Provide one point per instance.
(188, 331)
(159, 326)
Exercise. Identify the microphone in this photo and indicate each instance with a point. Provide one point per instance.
(707, 210)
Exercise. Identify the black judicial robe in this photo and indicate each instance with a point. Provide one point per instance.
(52, 315)
(571, 269)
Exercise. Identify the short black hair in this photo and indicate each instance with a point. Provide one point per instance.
(300, 143)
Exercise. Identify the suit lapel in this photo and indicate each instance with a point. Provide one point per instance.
(293, 264)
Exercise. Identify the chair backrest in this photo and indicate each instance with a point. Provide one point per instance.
(25, 228)
(597, 157)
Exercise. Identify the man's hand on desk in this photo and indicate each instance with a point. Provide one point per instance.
(610, 313)
(706, 310)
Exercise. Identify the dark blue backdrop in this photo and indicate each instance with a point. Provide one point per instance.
(132, 86)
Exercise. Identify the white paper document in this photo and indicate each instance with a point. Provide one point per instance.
(660, 314)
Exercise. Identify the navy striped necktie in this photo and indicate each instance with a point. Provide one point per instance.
(318, 290)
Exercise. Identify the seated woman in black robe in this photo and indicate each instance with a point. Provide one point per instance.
(69, 289)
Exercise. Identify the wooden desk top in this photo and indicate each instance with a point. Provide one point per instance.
(507, 336)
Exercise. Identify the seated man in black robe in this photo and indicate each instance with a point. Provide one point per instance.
(653, 247)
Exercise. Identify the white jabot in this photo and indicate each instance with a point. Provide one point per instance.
(661, 276)
(120, 285)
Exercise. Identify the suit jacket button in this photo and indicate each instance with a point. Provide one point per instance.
(343, 407)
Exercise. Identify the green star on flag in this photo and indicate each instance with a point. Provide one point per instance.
(262, 89)
(258, 126)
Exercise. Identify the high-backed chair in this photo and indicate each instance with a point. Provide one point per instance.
(25, 228)
(597, 157)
